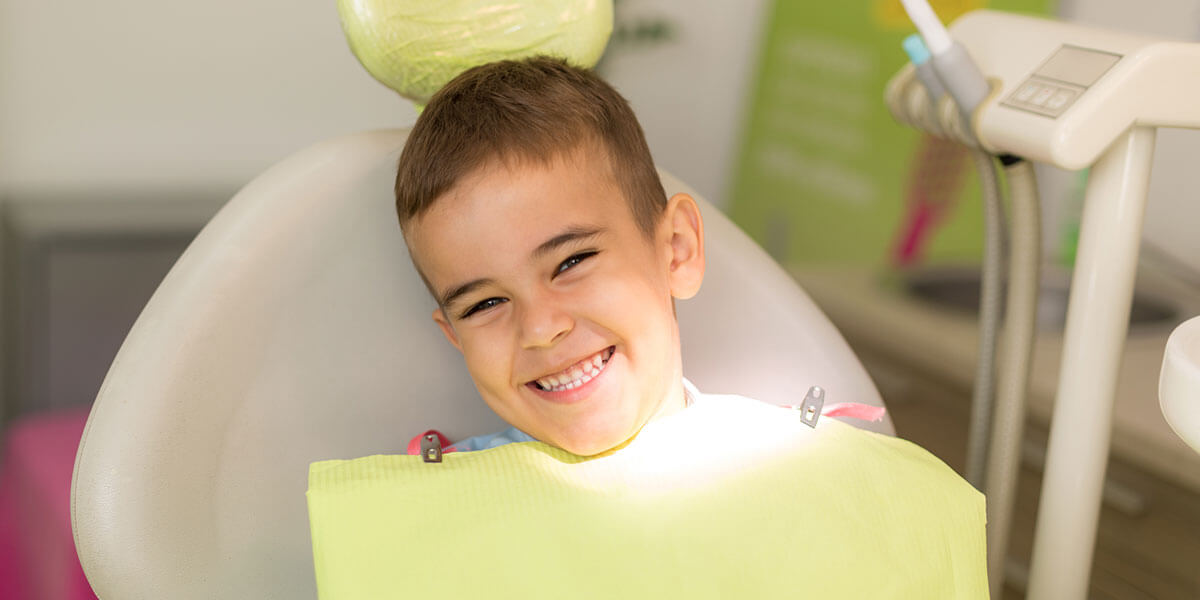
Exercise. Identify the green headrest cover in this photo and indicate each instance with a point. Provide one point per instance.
(729, 499)
(417, 46)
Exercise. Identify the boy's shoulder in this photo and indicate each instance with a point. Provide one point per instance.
(846, 450)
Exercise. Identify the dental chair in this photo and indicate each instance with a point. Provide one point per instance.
(294, 329)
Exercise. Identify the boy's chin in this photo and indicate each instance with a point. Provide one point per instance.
(591, 446)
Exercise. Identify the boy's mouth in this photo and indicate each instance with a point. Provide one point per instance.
(576, 374)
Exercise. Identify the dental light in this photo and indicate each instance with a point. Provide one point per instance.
(414, 46)
(1073, 97)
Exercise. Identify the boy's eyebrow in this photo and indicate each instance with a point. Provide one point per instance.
(572, 234)
(466, 288)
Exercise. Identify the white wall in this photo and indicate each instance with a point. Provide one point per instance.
(690, 90)
(207, 94)
(169, 93)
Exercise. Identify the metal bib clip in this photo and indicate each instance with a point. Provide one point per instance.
(810, 410)
(431, 448)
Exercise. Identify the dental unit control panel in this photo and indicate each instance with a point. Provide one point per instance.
(1066, 91)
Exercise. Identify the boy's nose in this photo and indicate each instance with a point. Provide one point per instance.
(544, 324)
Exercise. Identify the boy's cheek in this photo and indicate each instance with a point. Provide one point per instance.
(484, 353)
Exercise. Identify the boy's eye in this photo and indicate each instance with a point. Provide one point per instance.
(574, 260)
(486, 304)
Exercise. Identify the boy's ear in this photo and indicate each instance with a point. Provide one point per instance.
(439, 317)
(686, 231)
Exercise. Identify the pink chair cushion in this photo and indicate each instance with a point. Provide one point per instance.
(37, 549)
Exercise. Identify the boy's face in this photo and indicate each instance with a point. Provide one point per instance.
(560, 304)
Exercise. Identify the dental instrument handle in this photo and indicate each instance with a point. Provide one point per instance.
(928, 23)
(953, 65)
(963, 80)
(918, 54)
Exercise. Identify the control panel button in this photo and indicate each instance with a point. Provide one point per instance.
(1059, 99)
(1026, 92)
(1042, 96)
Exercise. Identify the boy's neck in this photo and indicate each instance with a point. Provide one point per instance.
(677, 400)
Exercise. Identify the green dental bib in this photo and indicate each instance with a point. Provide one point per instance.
(730, 498)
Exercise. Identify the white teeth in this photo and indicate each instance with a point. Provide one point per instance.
(575, 376)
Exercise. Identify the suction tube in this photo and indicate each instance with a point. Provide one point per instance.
(1004, 455)
(983, 395)
(994, 444)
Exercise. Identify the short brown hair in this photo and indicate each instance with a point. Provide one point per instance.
(534, 109)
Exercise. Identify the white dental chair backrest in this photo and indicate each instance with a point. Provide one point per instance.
(294, 329)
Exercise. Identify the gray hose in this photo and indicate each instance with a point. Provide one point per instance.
(1004, 456)
(993, 455)
(989, 320)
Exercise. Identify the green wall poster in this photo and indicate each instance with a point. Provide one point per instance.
(825, 175)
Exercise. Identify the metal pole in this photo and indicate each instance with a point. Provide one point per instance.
(1097, 322)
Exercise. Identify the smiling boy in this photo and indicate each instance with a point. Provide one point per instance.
(533, 211)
